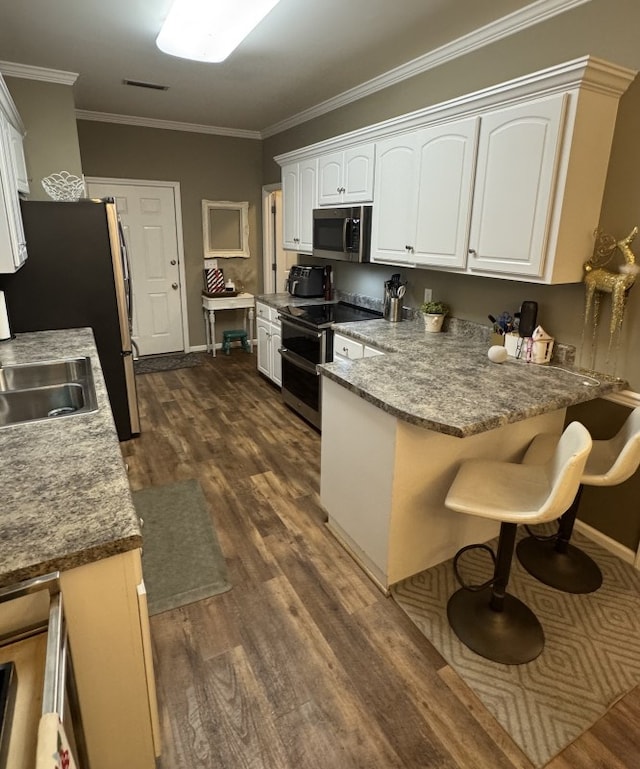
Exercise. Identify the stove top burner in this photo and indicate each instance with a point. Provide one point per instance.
(325, 314)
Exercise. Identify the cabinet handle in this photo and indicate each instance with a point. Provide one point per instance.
(174, 286)
(473, 252)
(409, 249)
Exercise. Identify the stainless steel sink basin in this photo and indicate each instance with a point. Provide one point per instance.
(25, 376)
(46, 390)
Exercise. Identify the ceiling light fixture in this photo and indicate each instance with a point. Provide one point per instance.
(208, 30)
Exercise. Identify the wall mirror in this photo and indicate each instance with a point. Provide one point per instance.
(225, 226)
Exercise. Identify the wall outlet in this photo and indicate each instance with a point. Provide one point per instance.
(428, 294)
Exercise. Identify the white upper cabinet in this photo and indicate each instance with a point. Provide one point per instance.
(346, 176)
(505, 182)
(299, 192)
(423, 190)
(13, 179)
(514, 188)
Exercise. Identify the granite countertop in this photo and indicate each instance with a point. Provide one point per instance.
(63, 483)
(445, 381)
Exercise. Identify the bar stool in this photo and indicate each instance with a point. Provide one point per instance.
(487, 619)
(554, 560)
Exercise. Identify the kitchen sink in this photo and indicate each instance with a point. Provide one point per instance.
(46, 390)
(25, 376)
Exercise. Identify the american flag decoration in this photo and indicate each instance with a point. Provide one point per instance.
(213, 280)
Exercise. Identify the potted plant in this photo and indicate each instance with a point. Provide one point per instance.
(434, 314)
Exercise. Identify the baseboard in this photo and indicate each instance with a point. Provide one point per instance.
(626, 554)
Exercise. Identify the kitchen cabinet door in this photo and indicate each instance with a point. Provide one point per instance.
(16, 142)
(346, 176)
(269, 335)
(299, 192)
(13, 248)
(515, 186)
(395, 193)
(446, 158)
(423, 189)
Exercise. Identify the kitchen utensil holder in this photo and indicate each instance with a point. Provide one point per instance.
(392, 310)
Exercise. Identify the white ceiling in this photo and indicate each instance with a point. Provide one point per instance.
(303, 54)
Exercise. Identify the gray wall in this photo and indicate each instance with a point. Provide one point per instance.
(51, 144)
(208, 167)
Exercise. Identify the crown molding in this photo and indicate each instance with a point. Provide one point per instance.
(533, 14)
(12, 69)
(586, 72)
(169, 125)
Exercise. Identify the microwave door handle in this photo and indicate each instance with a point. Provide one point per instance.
(345, 231)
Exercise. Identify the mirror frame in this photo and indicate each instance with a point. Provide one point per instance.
(243, 210)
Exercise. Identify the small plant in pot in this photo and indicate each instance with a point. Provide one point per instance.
(434, 314)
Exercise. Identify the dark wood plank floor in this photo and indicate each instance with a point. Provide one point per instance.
(304, 663)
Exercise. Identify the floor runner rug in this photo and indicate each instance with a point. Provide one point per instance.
(152, 363)
(181, 557)
(590, 660)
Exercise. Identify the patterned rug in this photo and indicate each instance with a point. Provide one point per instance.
(152, 363)
(590, 660)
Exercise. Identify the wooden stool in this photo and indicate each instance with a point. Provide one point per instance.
(487, 619)
(232, 336)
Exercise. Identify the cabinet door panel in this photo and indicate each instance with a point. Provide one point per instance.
(264, 343)
(358, 175)
(308, 193)
(290, 193)
(330, 179)
(445, 185)
(276, 360)
(394, 214)
(514, 187)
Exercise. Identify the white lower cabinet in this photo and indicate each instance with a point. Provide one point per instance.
(269, 334)
(352, 349)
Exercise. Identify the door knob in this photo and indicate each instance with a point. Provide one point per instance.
(173, 261)
(174, 286)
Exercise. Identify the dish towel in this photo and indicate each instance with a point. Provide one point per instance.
(53, 747)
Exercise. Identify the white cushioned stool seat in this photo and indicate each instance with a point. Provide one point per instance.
(554, 560)
(486, 618)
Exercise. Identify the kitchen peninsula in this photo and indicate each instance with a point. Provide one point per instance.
(413, 415)
(66, 507)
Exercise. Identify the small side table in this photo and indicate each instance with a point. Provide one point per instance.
(211, 304)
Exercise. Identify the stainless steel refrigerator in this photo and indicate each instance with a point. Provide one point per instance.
(77, 275)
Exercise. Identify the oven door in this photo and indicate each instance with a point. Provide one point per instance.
(303, 348)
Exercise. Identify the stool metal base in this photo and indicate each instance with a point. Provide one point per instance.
(571, 572)
(512, 636)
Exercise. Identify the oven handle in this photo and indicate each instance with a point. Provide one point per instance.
(296, 360)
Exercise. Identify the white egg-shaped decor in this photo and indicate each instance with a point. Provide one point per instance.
(497, 353)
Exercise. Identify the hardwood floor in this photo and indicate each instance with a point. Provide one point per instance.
(303, 663)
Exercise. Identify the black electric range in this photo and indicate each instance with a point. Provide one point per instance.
(324, 315)
(307, 342)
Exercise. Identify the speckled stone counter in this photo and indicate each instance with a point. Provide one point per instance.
(63, 484)
(445, 381)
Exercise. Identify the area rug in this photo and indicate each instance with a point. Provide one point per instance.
(181, 557)
(590, 660)
(151, 363)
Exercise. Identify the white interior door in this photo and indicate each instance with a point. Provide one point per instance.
(277, 261)
(149, 219)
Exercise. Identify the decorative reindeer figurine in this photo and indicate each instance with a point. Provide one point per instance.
(600, 281)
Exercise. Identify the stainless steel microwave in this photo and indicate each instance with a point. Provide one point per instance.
(342, 233)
